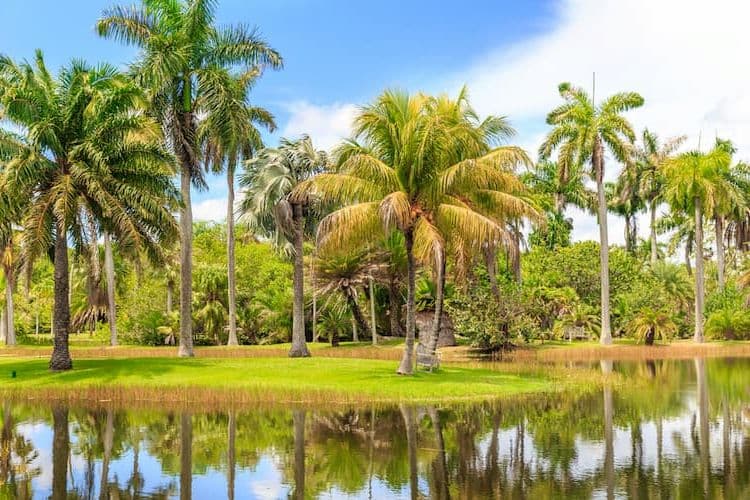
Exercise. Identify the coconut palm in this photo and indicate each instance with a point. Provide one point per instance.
(397, 174)
(563, 185)
(651, 155)
(268, 206)
(89, 152)
(581, 131)
(185, 63)
(696, 182)
(229, 136)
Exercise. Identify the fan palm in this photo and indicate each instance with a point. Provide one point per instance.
(416, 169)
(88, 152)
(229, 136)
(184, 64)
(651, 156)
(269, 180)
(696, 182)
(581, 131)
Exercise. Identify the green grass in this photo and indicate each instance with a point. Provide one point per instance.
(263, 379)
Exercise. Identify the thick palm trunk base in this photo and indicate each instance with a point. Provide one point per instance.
(60, 359)
(299, 345)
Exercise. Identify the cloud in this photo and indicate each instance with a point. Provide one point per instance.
(686, 57)
(213, 209)
(326, 124)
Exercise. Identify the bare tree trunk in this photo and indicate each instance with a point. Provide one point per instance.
(186, 456)
(373, 319)
(516, 254)
(439, 297)
(699, 276)
(688, 251)
(298, 417)
(186, 268)
(60, 359)
(10, 328)
(720, 258)
(654, 247)
(628, 234)
(598, 159)
(109, 269)
(359, 318)
(3, 324)
(231, 275)
(394, 304)
(355, 333)
(60, 452)
(231, 455)
(407, 361)
(299, 346)
(314, 302)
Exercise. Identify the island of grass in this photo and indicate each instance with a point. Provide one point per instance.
(272, 379)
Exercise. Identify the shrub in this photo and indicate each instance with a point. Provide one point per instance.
(728, 324)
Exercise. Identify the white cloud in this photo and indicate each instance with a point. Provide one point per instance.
(213, 209)
(686, 57)
(325, 124)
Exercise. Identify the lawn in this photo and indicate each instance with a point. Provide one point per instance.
(316, 379)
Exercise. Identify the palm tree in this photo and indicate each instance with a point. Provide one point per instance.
(581, 131)
(185, 64)
(229, 136)
(650, 324)
(563, 185)
(398, 174)
(624, 200)
(696, 182)
(650, 159)
(269, 180)
(8, 262)
(89, 152)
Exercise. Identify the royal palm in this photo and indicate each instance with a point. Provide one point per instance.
(581, 130)
(184, 63)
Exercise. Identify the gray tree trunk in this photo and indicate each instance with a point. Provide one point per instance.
(314, 303)
(439, 297)
(186, 268)
(186, 456)
(10, 314)
(231, 453)
(3, 324)
(360, 323)
(299, 345)
(373, 319)
(231, 275)
(60, 359)
(720, 254)
(598, 160)
(609, 449)
(394, 305)
(407, 361)
(704, 437)
(699, 273)
(109, 270)
(688, 251)
(654, 247)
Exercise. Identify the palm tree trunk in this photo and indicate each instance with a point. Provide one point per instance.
(231, 455)
(654, 247)
(109, 431)
(598, 159)
(186, 267)
(60, 359)
(409, 415)
(186, 456)
(231, 275)
(394, 304)
(314, 303)
(609, 451)
(490, 261)
(373, 324)
(109, 269)
(359, 318)
(720, 258)
(60, 452)
(441, 479)
(703, 428)
(298, 417)
(10, 328)
(688, 251)
(299, 346)
(407, 361)
(3, 324)
(439, 299)
(516, 254)
(628, 233)
(699, 276)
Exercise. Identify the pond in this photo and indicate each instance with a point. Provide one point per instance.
(673, 429)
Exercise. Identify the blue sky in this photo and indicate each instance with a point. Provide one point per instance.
(682, 55)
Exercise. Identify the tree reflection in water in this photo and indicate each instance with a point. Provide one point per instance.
(652, 436)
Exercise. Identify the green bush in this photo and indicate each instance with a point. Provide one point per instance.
(728, 324)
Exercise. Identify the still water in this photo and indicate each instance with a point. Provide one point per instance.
(681, 429)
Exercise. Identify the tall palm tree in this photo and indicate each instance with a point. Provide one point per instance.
(185, 63)
(89, 152)
(581, 131)
(696, 182)
(563, 185)
(9, 263)
(651, 156)
(396, 175)
(624, 200)
(269, 180)
(229, 136)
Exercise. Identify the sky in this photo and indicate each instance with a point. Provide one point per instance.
(688, 58)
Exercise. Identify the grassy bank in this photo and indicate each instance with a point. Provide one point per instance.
(245, 380)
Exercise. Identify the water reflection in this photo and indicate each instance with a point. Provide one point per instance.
(680, 429)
